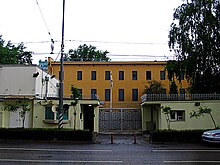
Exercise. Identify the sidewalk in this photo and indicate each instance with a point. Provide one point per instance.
(121, 139)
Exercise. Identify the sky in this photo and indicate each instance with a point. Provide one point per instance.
(130, 30)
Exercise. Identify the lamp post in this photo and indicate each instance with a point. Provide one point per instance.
(61, 74)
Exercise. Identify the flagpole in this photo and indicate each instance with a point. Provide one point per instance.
(111, 88)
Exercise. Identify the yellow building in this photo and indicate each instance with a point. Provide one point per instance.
(128, 80)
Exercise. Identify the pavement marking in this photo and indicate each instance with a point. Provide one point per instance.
(53, 149)
(189, 161)
(186, 150)
(61, 161)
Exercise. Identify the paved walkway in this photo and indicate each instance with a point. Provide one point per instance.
(121, 139)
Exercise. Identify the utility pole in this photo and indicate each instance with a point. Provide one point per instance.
(61, 74)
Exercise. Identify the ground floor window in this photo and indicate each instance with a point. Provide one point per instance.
(50, 115)
(177, 115)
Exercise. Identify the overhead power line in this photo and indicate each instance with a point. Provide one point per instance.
(52, 41)
(105, 42)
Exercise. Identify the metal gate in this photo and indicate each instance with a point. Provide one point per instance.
(119, 119)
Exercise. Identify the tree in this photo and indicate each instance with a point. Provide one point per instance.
(195, 39)
(75, 92)
(21, 106)
(11, 54)
(173, 88)
(153, 87)
(166, 111)
(86, 53)
(202, 112)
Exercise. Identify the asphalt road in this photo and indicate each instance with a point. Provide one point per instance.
(123, 150)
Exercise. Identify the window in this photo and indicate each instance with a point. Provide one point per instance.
(93, 75)
(134, 94)
(134, 75)
(162, 75)
(93, 93)
(182, 76)
(121, 75)
(121, 94)
(163, 91)
(177, 115)
(182, 91)
(107, 94)
(79, 75)
(107, 75)
(80, 92)
(49, 114)
(148, 75)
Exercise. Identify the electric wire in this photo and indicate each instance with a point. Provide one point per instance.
(44, 20)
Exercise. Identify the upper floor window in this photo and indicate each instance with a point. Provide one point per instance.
(93, 93)
(182, 76)
(79, 75)
(93, 73)
(148, 75)
(182, 91)
(121, 75)
(80, 92)
(121, 94)
(162, 75)
(134, 75)
(134, 94)
(163, 91)
(107, 94)
(107, 75)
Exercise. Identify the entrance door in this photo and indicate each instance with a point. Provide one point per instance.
(88, 117)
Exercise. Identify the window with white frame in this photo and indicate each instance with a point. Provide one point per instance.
(50, 115)
(177, 115)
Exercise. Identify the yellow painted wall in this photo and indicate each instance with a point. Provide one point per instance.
(203, 122)
(86, 84)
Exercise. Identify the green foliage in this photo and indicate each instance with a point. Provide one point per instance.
(166, 111)
(195, 39)
(75, 92)
(202, 112)
(86, 53)
(20, 105)
(188, 136)
(11, 54)
(153, 87)
(46, 134)
(173, 88)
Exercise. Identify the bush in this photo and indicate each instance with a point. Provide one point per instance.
(45, 134)
(186, 136)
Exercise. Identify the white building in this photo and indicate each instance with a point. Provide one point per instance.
(26, 80)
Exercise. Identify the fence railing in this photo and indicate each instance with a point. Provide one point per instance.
(173, 97)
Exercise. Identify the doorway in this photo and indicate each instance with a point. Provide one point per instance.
(88, 117)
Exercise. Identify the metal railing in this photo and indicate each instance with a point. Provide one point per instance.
(176, 97)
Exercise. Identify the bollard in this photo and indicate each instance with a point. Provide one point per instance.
(135, 138)
(112, 138)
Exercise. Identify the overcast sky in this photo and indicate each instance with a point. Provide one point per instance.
(128, 29)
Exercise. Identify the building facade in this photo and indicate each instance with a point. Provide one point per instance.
(117, 84)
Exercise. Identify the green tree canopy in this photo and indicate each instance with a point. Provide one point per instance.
(195, 39)
(153, 87)
(11, 54)
(86, 53)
